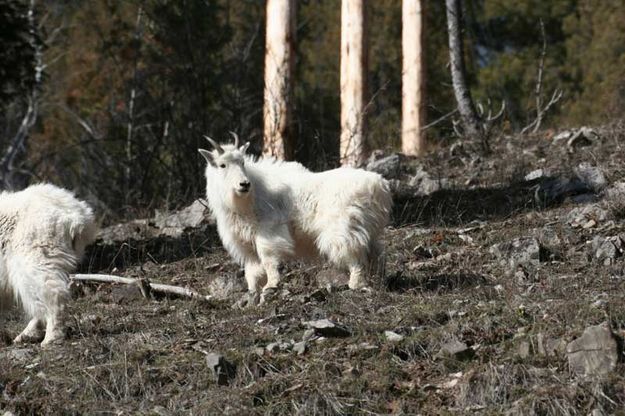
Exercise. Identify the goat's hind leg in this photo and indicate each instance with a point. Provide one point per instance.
(377, 263)
(43, 289)
(56, 297)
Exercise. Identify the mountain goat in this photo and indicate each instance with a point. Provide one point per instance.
(43, 233)
(268, 211)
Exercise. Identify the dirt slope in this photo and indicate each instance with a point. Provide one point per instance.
(489, 279)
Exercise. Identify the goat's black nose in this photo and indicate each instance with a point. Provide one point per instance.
(245, 185)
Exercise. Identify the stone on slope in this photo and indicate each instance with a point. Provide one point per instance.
(327, 328)
(389, 166)
(521, 252)
(595, 353)
(223, 370)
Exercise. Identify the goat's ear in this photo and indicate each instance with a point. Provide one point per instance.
(207, 155)
(244, 148)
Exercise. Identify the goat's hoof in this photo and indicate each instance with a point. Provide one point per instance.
(331, 288)
(357, 285)
(28, 338)
(55, 339)
(268, 294)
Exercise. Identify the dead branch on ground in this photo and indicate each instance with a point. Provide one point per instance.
(144, 285)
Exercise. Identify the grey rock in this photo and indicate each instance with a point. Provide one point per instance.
(224, 285)
(389, 166)
(525, 252)
(607, 249)
(17, 355)
(327, 328)
(616, 192)
(278, 346)
(456, 349)
(582, 216)
(273, 347)
(247, 300)
(523, 349)
(536, 174)
(549, 237)
(223, 370)
(591, 176)
(584, 136)
(300, 347)
(548, 346)
(595, 353)
(551, 190)
(424, 185)
(167, 224)
(173, 224)
(393, 336)
(309, 334)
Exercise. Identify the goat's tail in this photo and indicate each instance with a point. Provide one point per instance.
(382, 202)
(83, 231)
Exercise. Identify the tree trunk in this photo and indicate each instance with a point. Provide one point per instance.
(466, 108)
(413, 78)
(279, 140)
(353, 81)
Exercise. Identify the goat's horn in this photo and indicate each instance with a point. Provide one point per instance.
(214, 144)
(236, 139)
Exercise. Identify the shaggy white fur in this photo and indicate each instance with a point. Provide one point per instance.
(43, 233)
(268, 211)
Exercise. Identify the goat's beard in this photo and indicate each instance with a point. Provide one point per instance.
(241, 202)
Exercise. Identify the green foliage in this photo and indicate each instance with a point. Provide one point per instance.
(584, 56)
(595, 46)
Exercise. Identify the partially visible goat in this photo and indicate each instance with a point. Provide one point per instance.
(43, 234)
(268, 211)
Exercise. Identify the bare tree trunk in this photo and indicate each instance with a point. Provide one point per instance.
(466, 108)
(353, 81)
(279, 140)
(130, 127)
(413, 78)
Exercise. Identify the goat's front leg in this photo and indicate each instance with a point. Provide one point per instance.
(254, 271)
(33, 332)
(273, 246)
(271, 264)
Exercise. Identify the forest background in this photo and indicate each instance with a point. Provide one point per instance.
(123, 91)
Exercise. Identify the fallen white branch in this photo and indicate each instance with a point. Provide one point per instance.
(143, 285)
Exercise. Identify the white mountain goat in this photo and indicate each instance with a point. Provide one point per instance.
(43, 233)
(268, 211)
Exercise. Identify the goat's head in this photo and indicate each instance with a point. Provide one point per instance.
(228, 163)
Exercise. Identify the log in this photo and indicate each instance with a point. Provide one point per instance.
(154, 287)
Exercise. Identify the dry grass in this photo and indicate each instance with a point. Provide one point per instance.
(129, 355)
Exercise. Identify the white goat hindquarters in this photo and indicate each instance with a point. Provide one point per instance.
(44, 233)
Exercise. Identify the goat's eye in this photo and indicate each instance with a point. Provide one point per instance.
(223, 165)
